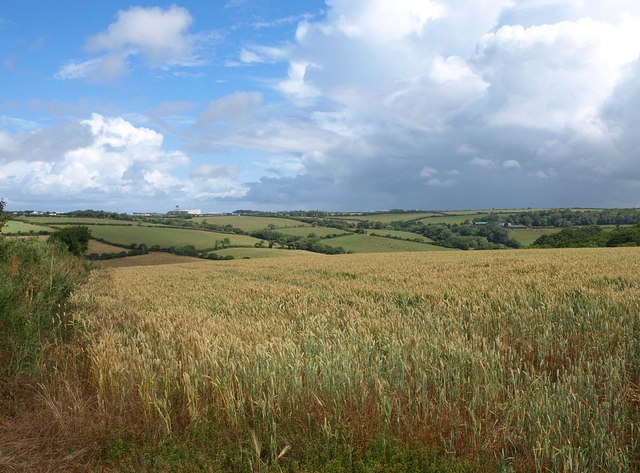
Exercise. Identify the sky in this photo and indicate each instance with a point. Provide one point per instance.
(335, 105)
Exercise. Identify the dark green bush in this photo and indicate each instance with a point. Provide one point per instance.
(75, 239)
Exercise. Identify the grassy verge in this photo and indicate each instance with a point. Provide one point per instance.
(35, 282)
(44, 406)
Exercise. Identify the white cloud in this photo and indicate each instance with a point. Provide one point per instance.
(7, 143)
(386, 21)
(544, 173)
(20, 124)
(215, 171)
(108, 160)
(428, 171)
(78, 70)
(511, 164)
(262, 54)
(454, 69)
(295, 86)
(556, 76)
(160, 180)
(112, 161)
(284, 166)
(281, 21)
(249, 57)
(118, 153)
(484, 163)
(160, 36)
(435, 182)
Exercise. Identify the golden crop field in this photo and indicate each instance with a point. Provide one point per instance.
(524, 360)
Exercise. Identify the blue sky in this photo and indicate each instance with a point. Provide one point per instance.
(339, 105)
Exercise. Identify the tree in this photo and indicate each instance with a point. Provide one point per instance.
(188, 250)
(3, 217)
(75, 239)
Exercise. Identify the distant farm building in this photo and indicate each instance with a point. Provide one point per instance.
(185, 212)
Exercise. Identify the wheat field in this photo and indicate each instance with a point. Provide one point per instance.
(525, 360)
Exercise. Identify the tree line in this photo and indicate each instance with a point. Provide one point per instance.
(463, 237)
(566, 217)
(294, 242)
(590, 237)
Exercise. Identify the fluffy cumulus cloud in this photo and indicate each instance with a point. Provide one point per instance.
(159, 36)
(107, 161)
(456, 104)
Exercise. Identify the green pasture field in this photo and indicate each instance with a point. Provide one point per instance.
(342, 219)
(371, 244)
(388, 218)
(488, 211)
(250, 223)
(15, 226)
(166, 237)
(259, 253)
(457, 218)
(460, 212)
(399, 234)
(321, 232)
(62, 220)
(526, 236)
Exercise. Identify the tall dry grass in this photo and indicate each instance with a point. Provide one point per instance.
(529, 360)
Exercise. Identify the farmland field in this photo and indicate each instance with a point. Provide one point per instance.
(512, 360)
(526, 236)
(459, 216)
(451, 218)
(400, 234)
(250, 223)
(321, 232)
(165, 237)
(239, 253)
(62, 220)
(351, 219)
(100, 248)
(388, 218)
(15, 226)
(371, 244)
(151, 259)
(487, 211)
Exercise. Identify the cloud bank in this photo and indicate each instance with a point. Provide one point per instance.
(503, 103)
(106, 162)
(371, 105)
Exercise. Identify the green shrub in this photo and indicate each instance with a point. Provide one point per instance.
(75, 239)
(35, 281)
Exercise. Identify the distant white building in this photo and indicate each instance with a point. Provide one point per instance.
(185, 212)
